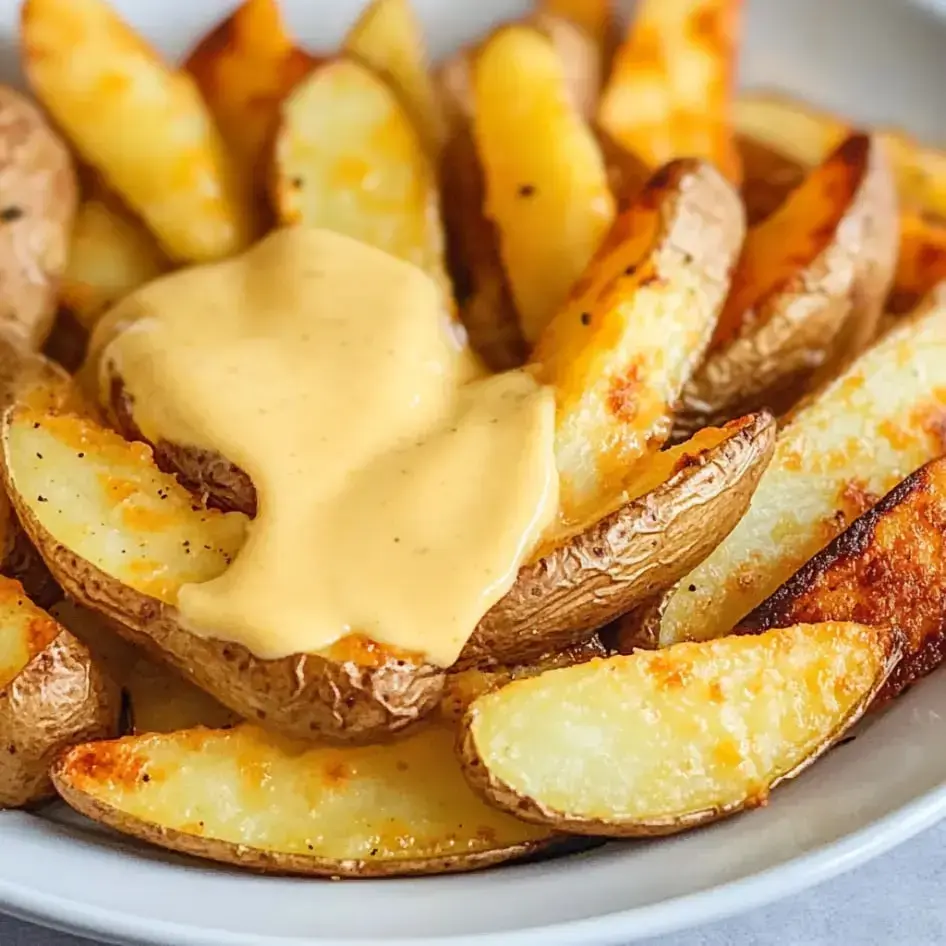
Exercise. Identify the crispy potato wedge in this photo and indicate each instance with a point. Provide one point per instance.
(156, 698)
(881, 419)
(635, 326)
(38, 197)
(768, 177)
(921, 264)
(657, 742)
(888, 568)
(464, 686)
(244, 67)
(97, 78)
(52, 695)
(807, 293)
(670, 92)
(243, 797)
(347, 158)
(550, 198)
(595, 17)
(389, 38)
(112, 252)
(121, 538)
(678, 508)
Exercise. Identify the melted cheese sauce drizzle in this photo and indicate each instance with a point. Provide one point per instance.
(398, 490)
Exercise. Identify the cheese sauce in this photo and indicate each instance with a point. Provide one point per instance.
(398, 490)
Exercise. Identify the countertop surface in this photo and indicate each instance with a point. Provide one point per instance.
(897, 898)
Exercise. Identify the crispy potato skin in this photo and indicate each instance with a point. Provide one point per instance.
(887, 568)
(807, 294)
(38, 199)
(60, 698)
(887, 646)
(628, 556)
(922, 262)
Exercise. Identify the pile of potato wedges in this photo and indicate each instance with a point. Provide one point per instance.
(737, 301)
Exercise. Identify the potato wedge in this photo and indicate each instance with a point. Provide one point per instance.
(111, 253)
(635, 326)
(807, 293)
(97, 79)
(244, 67)
(881, 419)
(549, 198)
(347, 158)
(38, 197)
(768, 177)
(611, 747)
(389, 38)
(678, 508)
(242, 797)
(156, 698)
(52, 695)
(670, 92)
(921, 264)
(595, 17)
(888, 568)
(121, 538)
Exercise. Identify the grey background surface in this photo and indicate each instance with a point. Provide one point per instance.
(898, 898)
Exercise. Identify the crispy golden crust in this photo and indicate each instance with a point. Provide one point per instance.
(38, 197)
(60, 698)
(629, 555)
(836, 687)
(887, 568)
(808, 291)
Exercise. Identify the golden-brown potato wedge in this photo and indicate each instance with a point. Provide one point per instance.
(121, 538)
(98, 79)
(635, 326)
(156, 698)
(111, 253)
(677, 508)
(670, 92)
(881, 419)
(595, 17)
(807, 293)
(611, 747)
(549, 198)
(347, 158)
(38, 196)
(52, 695)
(921, 264)
(888, 568)
(388, 37)
(244, 67)
(243, 797)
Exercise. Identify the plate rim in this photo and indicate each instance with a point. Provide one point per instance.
(714, 903)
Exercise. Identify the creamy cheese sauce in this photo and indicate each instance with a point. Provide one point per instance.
(399, 490)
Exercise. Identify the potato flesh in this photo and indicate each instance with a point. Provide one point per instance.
(112, 253)
(349, 160)
(104, 499)
(97, 79)
(665, 734)
(549, 197)
(669, 94)
(27, 630)
(876, 423)
(402, 801)
(388, 37)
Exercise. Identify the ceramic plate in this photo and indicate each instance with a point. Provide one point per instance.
(877, 60)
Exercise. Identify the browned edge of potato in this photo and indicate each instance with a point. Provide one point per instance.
(887, 568)
(807, 293)
(397, 809)
(58, 697)
(611, 747)
(684, 504)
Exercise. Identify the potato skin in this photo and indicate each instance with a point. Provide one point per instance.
(626, 557)
(59, 699)
(888, 567)
(38, 199)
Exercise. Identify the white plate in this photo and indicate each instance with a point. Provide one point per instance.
(863, 798)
